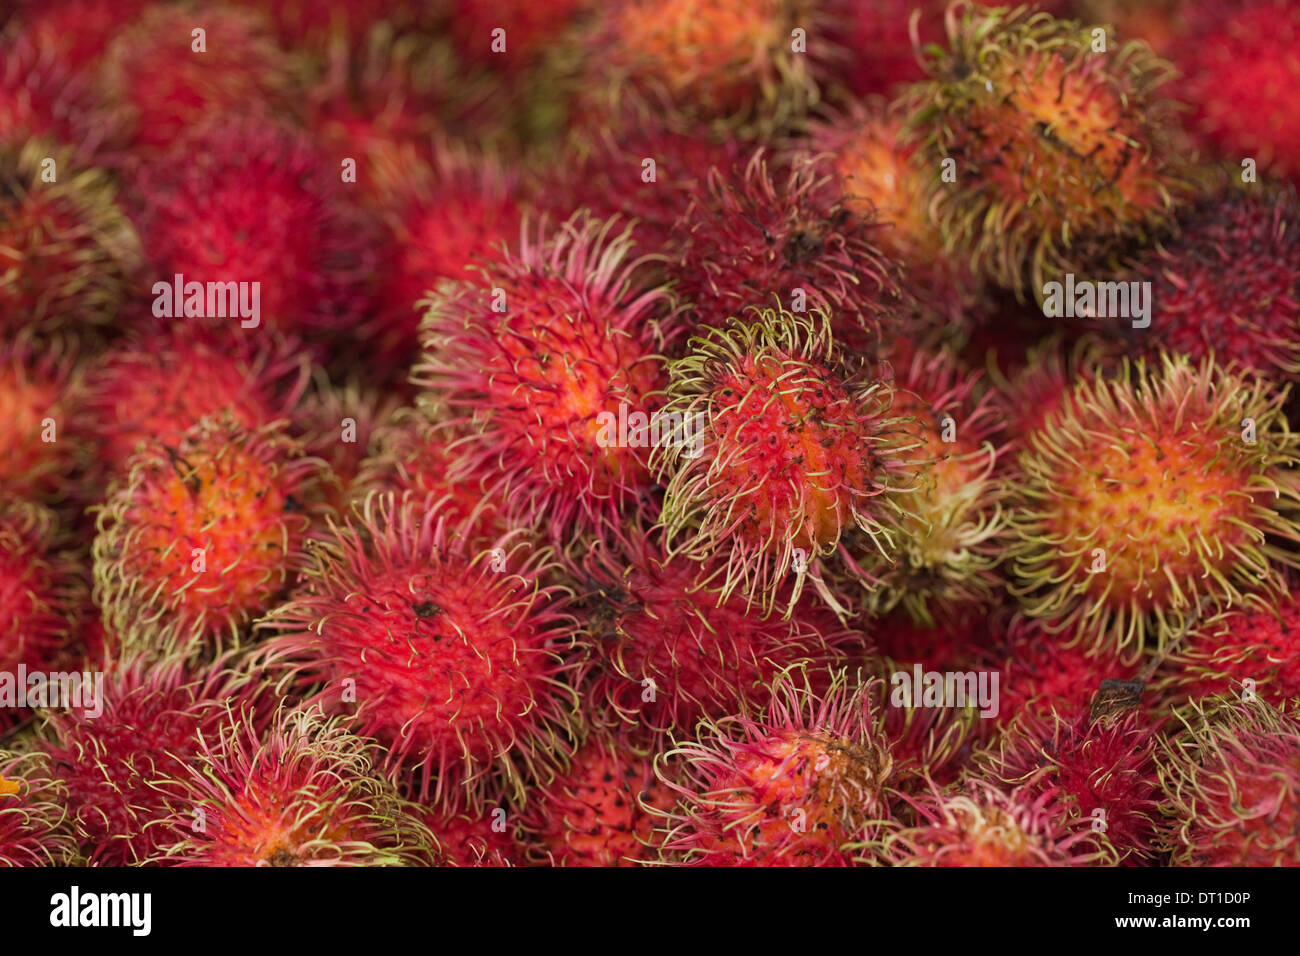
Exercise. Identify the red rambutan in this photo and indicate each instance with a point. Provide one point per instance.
(33, 810)
(42, 453)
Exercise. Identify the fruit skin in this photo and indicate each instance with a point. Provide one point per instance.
(755, 233)
(983, 825)
(302, 793)
(120, 768)
(42, 597)
(1085, 765)
(1229, 780)
(789, 450)
(598, 813)
(1150, 467)
(532, 387)
(32, 818)
(68, 254)
(198, 539)
(447, 647)
(1229, 284)
(666, 652)
(486, 837)
(794, 785)
(241, 200)
(1070, 147)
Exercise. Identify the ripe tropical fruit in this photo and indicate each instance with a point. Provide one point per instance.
(67, 252)
(1043, 150)
(448, 647)
(33, 810)
(598, 812)
(42, 597)
(201, 537)
(121, 765)
(792, 785)
(1230, 788)
(983, 825)
(303, 792)
(666, 652)
(543, 359)
(754, 234)
(482, 837)
(1228, 283)
(786, 449)
(1100, 775)
(43, 457)
(1148, 496)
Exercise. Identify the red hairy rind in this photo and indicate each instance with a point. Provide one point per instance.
(1229, 779)
(1141, 501)
(121, 766)
(598, 812)
(752, 235)
(483, 837)
(983, 825)
(42, 597)
(33, 818)
(449, 649)
(539, 389)
(794, 785)
(198, 539)
(787, 451)
(1100, 773)
(667, 652)
(302, 793)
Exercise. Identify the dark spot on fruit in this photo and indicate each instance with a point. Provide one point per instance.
(292, 504)
(426, 609)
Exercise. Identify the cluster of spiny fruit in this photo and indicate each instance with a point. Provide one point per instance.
(456, 432)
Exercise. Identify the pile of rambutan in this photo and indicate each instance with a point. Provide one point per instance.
(653, 433)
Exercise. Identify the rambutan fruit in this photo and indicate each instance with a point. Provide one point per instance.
(745, 238)
(168, 85)
(1247, 654)
(304, 792)
(666, 652)
(875, 52)
(67, 252)
(122, 765)
(42, 96)
(33, 808)
(730, 62)
(1229, 284)
(787, 450)
(530, 29)
(555, 393)
(314, 26)
(1231, 797)
(1150, 496)
(1100, 775)
(1033, 387)
(199, 538)
(155, 390)
(946, 529)
(928, 746)
(954, 643)
(986, 826)
(447, 647)
(485, 837)
(1239, 74)
(792, 786)
(42, 455)
(41, 594)
(1063, 149)
(242, 200)
(597, 812)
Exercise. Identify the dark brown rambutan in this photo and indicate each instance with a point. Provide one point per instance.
(155, 390)
(33, 813)
(794, 785)
(547, 360)
(122, 765)
(1239, 74)
(67, 252)
(447, 647)
(167, 84)
(303, 792)
(598, 811)
(1229, 284)
(666, 652)
(783, 451)
(1100, 775)
(751, 235)
(1230, 784)
(197, 539)
(1042, 154)
(246, 201)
